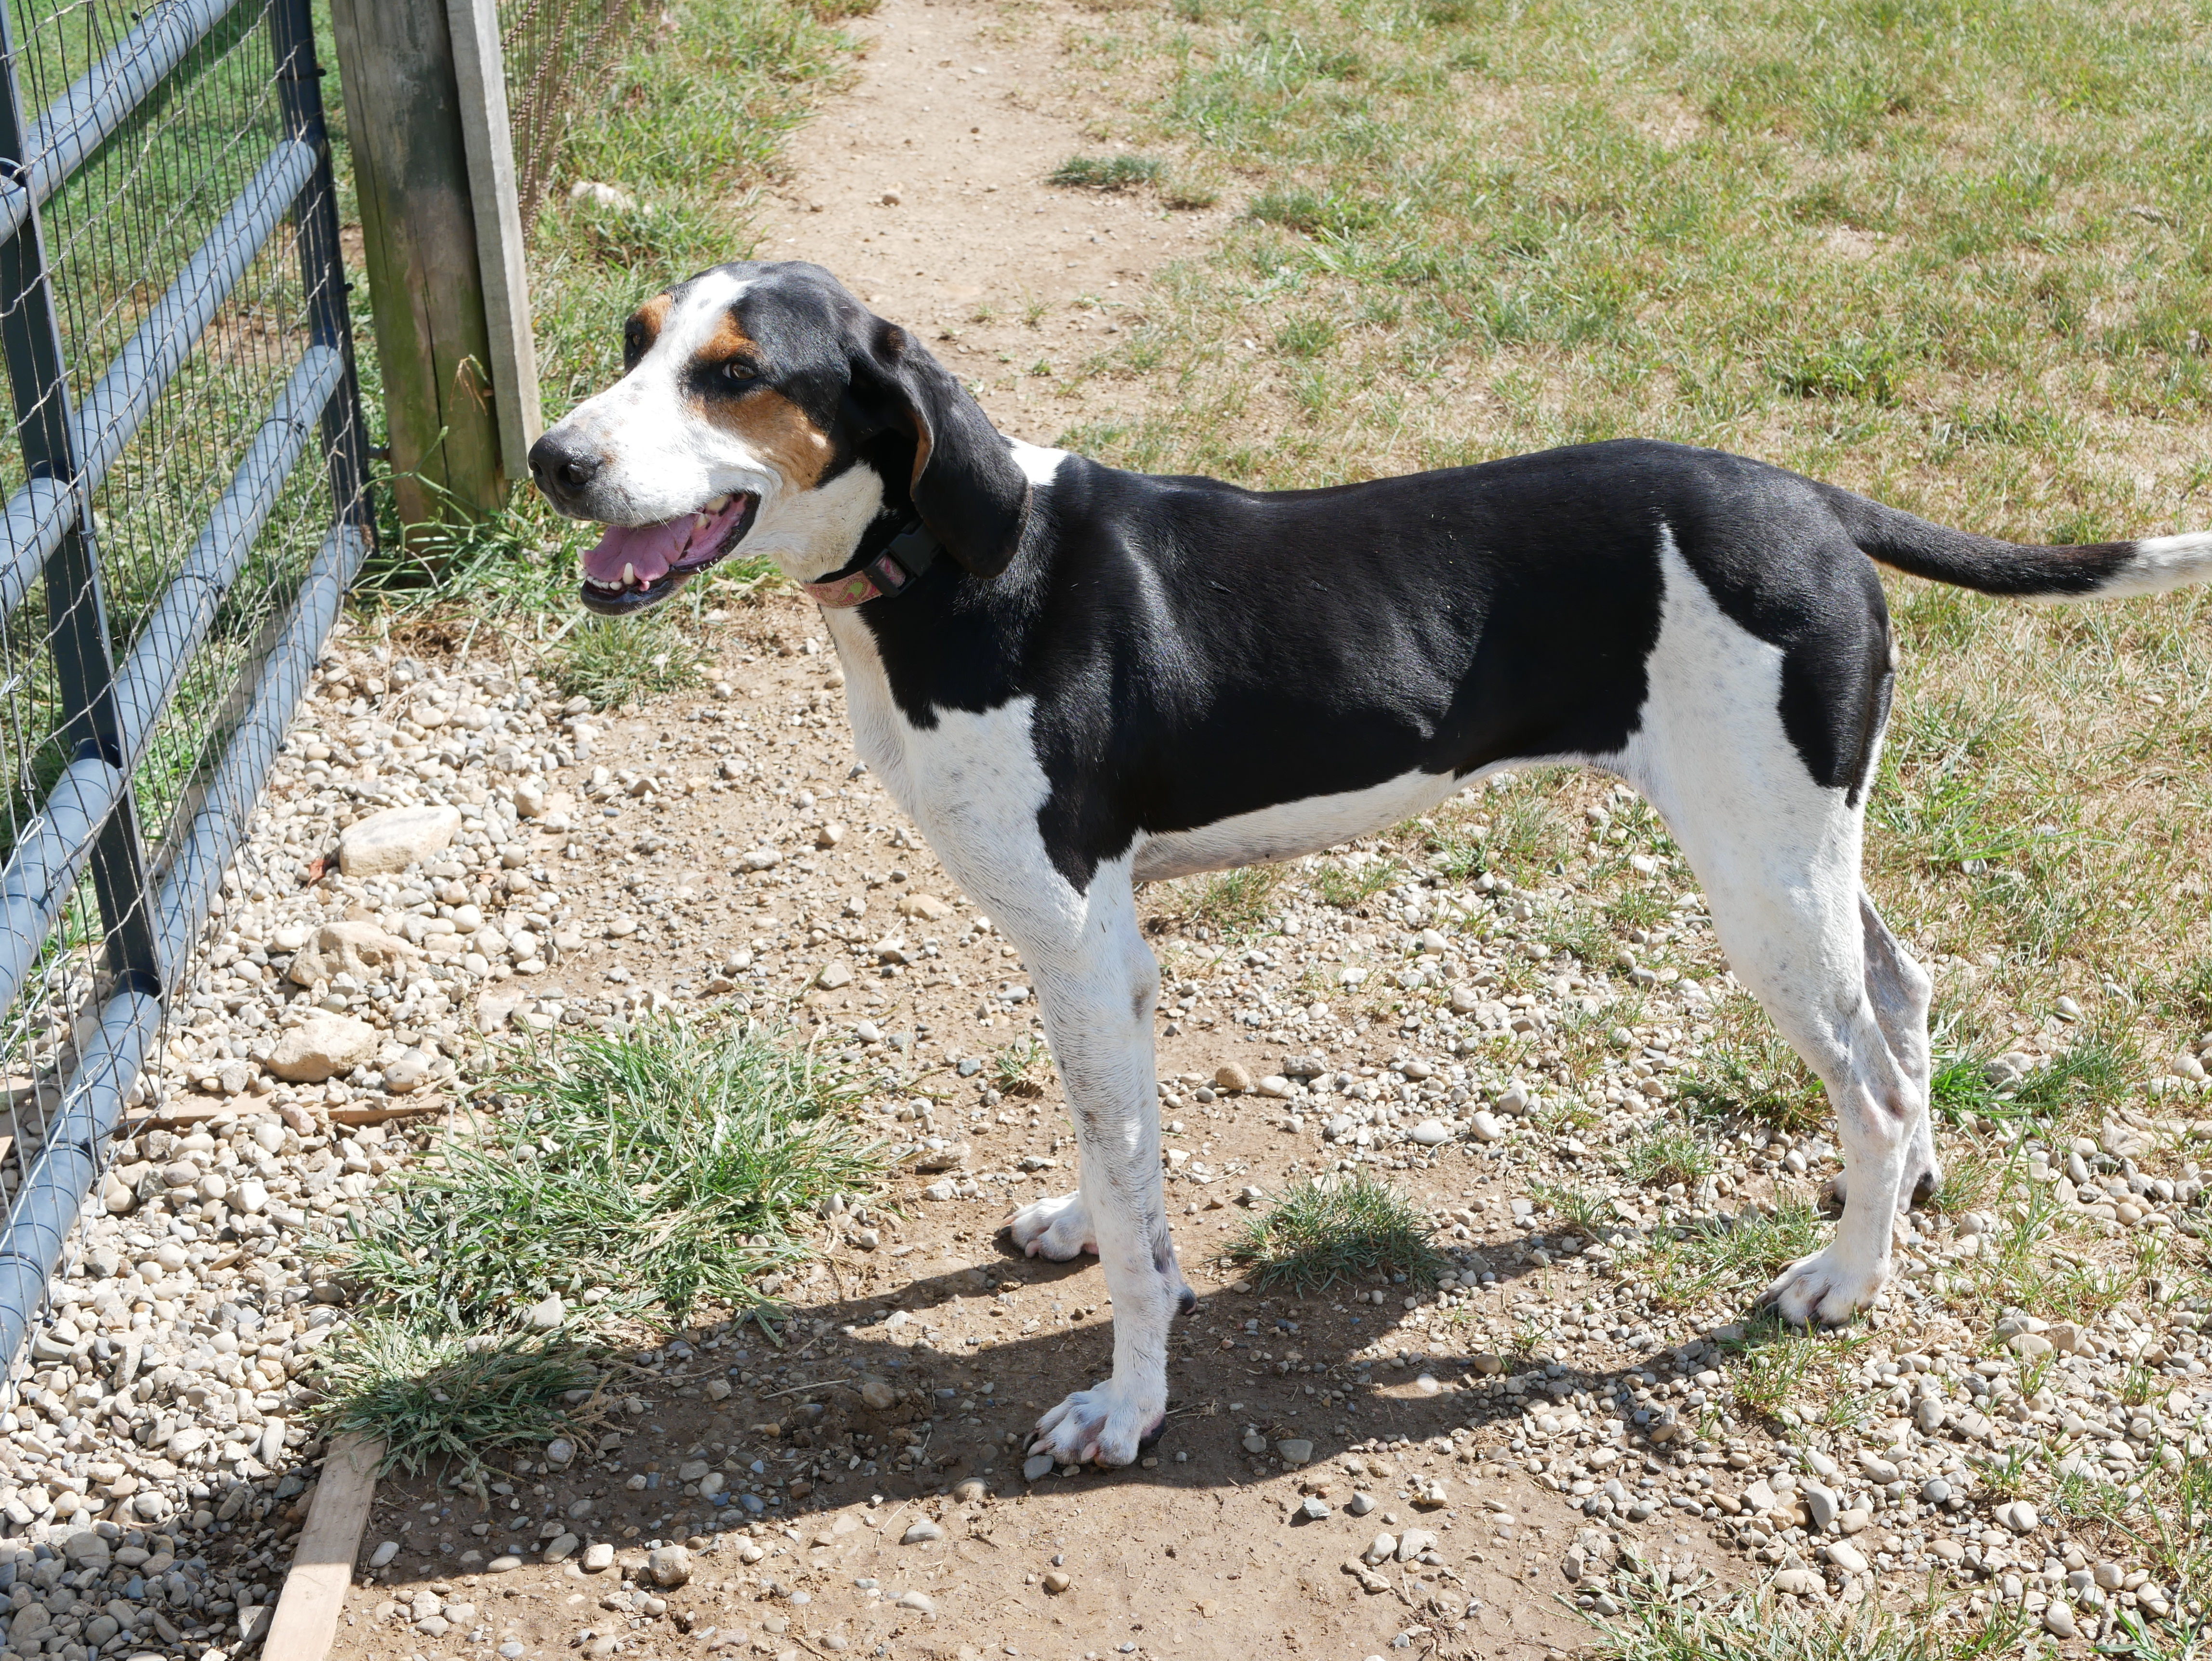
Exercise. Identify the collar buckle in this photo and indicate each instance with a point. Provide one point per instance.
(890, 573)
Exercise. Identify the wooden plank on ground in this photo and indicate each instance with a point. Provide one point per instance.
(308, 1610)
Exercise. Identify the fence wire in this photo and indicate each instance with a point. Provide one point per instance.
(557, 52)
(184, 438)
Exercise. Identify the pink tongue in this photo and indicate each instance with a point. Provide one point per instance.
(651, 548)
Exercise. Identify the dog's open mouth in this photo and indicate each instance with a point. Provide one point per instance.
(635, 566)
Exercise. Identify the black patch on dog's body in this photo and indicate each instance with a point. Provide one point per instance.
(1199, 651)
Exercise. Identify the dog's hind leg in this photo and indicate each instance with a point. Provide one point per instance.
(1900, 990)
(1788, 919)
(1778, 854)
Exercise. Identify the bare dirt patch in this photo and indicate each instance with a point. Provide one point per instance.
(924, 189)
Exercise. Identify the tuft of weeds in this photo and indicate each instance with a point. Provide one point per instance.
(1022, 1068)
(1235, 902)
(1761, 1078)
(440, 1399)
(618, 661)
(1677, 1154)
(1657, 1622)
(1579, 1208)
(1327, 1230)
(652, 1171)
(2092, 1074)
(1739, 1259)
(1347, 888)
(1107, 173)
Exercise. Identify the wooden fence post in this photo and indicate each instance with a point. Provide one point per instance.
(482, 76)
(426, 276)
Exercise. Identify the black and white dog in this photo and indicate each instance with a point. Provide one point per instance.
(1115, 678)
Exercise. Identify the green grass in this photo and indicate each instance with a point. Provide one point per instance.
(618, 661)
(635, 1178)
(437, 1400)
(1107, 173)
(1949, 255)
(654, 1170)
(1675, 1153)
(1235, 902)
(1660, 1622)
(1740, 1259)
(1021, 1068)
(1323, 1231)
(1760, 1078)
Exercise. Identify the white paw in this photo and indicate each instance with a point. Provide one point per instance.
(1058, 1228)
(1107, 1424)
(1830, 1288)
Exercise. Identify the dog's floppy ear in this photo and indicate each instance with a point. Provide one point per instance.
(965, 484)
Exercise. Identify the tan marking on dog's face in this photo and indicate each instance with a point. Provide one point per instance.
(778, 432)
(773, 427)
(643, 328)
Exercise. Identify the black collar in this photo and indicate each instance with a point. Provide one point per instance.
(877, 577)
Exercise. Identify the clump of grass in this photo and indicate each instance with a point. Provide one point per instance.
(1677, 1154)
(439, 1399)
(1848, 367)
(2094, 1074)
(1235, 902)
(660, 1168)
(1657, 1622)
(1187, 193)
(1322, 1231)
(1739, 1258)
(1021, 1067)
(1346, 888)
(1579, 1208)
(1763, 1078)
(1107, 173)
(617, 661)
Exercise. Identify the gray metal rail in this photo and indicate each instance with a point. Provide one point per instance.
(151, 904)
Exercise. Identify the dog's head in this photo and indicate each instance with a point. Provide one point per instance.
(762, 407)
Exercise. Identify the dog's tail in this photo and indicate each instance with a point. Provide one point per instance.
(1924, 549)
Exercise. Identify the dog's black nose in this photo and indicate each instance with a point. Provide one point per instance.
(561, 469)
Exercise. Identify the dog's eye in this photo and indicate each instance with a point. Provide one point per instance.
(738, 372)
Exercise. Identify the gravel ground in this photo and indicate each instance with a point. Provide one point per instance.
(161, 1457)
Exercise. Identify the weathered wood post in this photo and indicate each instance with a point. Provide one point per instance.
(460, 391)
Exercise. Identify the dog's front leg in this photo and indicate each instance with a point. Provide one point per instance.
(1098, 988)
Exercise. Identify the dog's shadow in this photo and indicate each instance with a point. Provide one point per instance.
(847, 1398)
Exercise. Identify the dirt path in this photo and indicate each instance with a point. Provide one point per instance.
(924, 188)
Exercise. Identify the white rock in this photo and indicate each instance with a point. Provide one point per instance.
(384, 1553)
(1384, 1549)
(1430, 1132)
(920, 1530)
(547, 1315)
(408, 1074)
(1412, 1542)
(395, 839)
(251, 1195)
(1487, 1128)
(321, 1047)
(598, 1555)
(359, 949)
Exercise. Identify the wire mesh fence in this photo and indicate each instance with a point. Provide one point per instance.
(557, 53)
(183, 474)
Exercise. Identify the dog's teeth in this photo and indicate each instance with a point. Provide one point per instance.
(717, 505)
(629, 573)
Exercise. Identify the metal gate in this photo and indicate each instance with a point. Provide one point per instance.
(172, 313)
